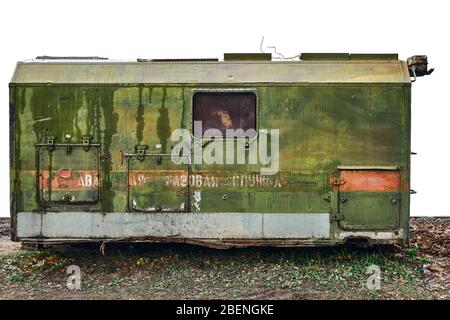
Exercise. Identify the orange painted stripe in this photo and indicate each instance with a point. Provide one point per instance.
(370, 180)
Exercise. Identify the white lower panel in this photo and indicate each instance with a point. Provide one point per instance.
(185, 225)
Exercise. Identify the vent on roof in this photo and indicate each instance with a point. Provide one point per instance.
(177, 60)
(247, 56)
(348, 56)
(70, 58)
(374, 56)
(325, 56)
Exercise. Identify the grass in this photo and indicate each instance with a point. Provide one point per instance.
(15, 277)
(178, 271)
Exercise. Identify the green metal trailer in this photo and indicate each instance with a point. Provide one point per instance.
(92, 146)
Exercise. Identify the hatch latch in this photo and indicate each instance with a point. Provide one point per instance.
(50, 141)
(140, 151)
(336, 216)
(86, 142)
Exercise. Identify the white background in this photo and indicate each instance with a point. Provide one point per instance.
(175, 29)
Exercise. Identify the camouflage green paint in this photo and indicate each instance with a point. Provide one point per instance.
(321, 127)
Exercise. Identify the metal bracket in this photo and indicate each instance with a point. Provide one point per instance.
(247, 143)
(86, 141)
(140, 150)
(336, 217)
(50, 140)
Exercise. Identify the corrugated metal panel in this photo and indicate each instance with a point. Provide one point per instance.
(210, 72)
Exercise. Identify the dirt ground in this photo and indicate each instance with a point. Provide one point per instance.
(420, 270)
(6, 245)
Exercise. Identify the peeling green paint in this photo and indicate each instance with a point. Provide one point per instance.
(163, 123)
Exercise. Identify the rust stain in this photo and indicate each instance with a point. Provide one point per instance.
(370, 181)
(65, 173)
(122, 157)
(405, 185)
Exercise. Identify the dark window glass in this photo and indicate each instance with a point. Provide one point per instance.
(225, 110)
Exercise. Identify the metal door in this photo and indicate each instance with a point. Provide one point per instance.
(68, 173)
(369, 198)
(156, 184)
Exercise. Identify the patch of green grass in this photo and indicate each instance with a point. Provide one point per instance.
(373, 295)
(15, 277)
(115, 280)
(414, 254)
(59, 265)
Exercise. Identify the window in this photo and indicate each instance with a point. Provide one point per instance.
(225, 110)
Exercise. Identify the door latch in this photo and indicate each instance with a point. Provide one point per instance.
(140, 150)
(336, 217)
(86, 142)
